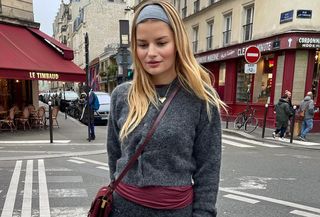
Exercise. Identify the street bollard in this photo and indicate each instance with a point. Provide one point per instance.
(50, 122)
(292, 123)
(265, 119)
(227, 121)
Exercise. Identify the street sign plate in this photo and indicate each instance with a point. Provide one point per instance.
(250, 68)
(252, 54)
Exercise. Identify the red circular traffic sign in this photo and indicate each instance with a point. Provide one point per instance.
(252, 54)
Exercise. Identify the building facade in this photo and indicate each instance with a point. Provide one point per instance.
(100, 20)
(287, 35)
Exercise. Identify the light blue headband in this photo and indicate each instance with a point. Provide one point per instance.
(153, 12)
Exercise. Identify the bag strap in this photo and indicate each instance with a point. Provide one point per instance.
(147, 139)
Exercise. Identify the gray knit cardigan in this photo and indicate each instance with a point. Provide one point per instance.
(184, 150)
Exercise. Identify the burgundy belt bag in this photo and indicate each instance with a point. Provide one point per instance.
(102, 203)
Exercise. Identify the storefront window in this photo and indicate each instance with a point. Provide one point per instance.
(263, 80)
(222, 74)
(316, 77)
(243, 83)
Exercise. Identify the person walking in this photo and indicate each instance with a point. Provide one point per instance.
(283, 112)
(307, 107)
(177, 173)
(88, 114)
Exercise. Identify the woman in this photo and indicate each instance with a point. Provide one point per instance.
(178, 171)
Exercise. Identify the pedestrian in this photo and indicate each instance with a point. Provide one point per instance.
(307, 107)
(283, 112)
(288, 93)
(178, 172)
(88, 114)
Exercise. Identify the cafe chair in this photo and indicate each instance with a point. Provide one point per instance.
(39, 119)
(24, 119)
(9, 121)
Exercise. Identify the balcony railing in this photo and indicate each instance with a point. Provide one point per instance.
(209, 42)
(226, 37)
(247, 32)
(195, 46)
(184, 12)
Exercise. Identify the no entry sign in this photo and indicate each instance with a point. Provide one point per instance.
(252, 54)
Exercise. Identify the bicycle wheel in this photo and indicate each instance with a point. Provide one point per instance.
(239, 121)
(251, 124)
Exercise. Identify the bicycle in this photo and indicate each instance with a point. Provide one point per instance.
(247, 119)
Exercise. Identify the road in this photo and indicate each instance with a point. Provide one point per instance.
(257, 180)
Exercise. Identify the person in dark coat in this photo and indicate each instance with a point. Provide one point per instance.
(283, 113)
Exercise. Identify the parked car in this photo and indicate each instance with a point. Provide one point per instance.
(65, 98)
(102, 115)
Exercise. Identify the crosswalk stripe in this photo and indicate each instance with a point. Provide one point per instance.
(236, 144)
(69, 211)
(305, 214)
(76, 161)
(65, 192)
(90, 161)
(27, 196)
(12, 191)
(43, 190)
(244, 199)
(103, 168)
(252, 142)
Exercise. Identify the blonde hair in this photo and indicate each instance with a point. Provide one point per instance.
(191, 75)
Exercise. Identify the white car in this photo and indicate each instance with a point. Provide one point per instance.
(102, 115)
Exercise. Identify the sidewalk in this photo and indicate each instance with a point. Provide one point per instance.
(312, 141)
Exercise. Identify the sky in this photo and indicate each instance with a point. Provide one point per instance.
(44, 13)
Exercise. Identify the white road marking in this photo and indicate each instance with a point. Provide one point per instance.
(253, 142)
(272, 200)
(69, 211)
(1, 147)
(76, 161)
(305, 214)
(27, 196)
(34, 141)
(103, 168)
(244, 199)
(8, 206)
(63, 193)
(90, 161)
(236, 144)
(43, 190)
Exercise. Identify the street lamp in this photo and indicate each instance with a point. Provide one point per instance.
(64, 98)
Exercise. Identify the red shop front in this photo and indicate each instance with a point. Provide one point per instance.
(288, 62)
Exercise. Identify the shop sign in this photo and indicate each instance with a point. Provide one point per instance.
(306, 14)
(286, 17)
(43, 76)
(250, 68)
(305, 42)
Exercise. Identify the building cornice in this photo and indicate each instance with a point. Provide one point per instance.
(19, 22)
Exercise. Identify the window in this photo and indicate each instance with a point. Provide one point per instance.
(244, 82)
(184, 9)
(195, 39)
(227, 29)
(196, 6)
(247, 27)
(209, 35)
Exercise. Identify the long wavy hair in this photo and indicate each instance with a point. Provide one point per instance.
(191, 75)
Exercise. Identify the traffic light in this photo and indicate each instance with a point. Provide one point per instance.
(130, 74)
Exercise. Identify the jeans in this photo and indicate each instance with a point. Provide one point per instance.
(307, 125)
(282, 131)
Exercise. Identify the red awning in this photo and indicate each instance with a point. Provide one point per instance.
(29, 54)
